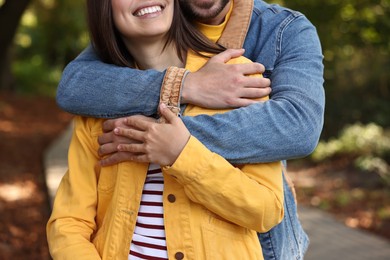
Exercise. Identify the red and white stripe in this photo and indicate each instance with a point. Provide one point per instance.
(149, 234)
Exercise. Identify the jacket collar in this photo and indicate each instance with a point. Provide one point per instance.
(237, 27)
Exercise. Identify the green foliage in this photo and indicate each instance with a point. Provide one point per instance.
(61, 29)
(342, 198)
(368, 145)
(384, 213)
(35, 77)
(375, 164)
(355, 36)
(52, 33)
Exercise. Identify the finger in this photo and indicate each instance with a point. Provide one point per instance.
(227, 55)
(167, 113)
(139, 158)
(123, 157)
(106, 138)
(247, 68)
(252, 68)
(256, 82)
(132, 134)
(139, 122)
(106, 149)
(264, 82)
(110, 124)
(255, 92)
(133, 148)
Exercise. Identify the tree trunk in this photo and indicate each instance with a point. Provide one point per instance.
(6, 77)
(10, 13)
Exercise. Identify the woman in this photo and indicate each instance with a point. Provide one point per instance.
(197, 205)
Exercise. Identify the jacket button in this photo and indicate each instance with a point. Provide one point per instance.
(171, 198)
(179, 256)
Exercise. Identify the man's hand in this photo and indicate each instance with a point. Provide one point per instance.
(109, 142)
(152, 142)
(221, 85)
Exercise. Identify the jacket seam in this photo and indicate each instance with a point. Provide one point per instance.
(283, 27)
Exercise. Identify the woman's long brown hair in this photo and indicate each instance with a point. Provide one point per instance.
(108, 44)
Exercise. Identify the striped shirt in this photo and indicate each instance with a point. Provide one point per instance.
(149, 234)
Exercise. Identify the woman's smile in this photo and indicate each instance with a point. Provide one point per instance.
(138, 19)
(150, 10)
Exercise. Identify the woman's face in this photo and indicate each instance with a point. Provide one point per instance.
(140, 19)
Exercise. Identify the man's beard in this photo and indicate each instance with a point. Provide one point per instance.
(202, 11)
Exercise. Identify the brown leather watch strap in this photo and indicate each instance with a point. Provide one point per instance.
(170, 89)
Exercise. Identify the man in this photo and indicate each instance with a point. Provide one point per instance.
(288, 126)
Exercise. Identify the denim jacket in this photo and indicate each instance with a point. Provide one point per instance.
(288, 126)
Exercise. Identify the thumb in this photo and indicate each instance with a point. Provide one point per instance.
(166, 113)
(227, 55)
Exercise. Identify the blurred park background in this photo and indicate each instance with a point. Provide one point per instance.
(348, 175)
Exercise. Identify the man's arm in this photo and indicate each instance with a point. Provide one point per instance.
(289, 124)
(89, 87)
(92, 88)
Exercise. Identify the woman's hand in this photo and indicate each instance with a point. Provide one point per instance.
(156, 143)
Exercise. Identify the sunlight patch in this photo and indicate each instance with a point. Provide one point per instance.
(17, 191)
(6, 126)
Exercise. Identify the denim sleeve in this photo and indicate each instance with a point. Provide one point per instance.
(289, 124)
(89, 87)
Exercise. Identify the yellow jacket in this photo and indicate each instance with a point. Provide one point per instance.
(212, 209)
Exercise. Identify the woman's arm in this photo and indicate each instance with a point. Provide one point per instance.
(72, 221)
(253, 192)
(250, 195)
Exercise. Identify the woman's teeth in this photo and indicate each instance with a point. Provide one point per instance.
(148, 10)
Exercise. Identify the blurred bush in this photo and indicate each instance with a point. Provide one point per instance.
(355, 37)
(35, 77)
(51, 34)
(367, 145)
